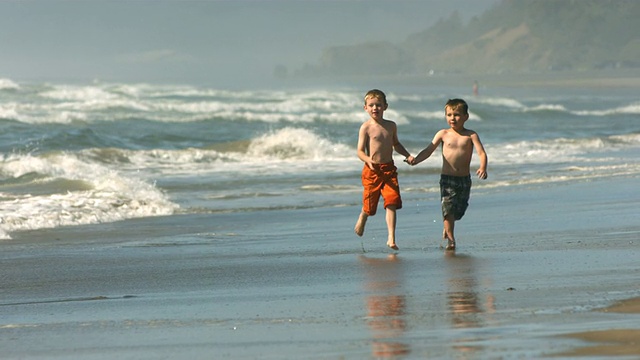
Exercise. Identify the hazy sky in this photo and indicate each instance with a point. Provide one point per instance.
(226, 42)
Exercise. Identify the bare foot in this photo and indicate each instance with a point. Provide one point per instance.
(451, 245)
(362, 221)
(393, 246)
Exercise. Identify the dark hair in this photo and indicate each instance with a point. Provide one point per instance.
(457, 104)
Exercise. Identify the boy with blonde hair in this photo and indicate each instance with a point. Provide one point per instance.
(377, 139)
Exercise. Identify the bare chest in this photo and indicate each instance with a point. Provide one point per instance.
(457, 142)
(380, 134)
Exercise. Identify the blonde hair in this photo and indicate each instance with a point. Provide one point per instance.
(375, 93)
(458, 104)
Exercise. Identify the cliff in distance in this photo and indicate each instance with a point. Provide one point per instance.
(513, 37)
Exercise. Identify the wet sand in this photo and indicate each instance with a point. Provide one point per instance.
(539, 272)
(611, 342)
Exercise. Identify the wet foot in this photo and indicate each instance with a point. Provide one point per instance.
(359, 228)
(451, 245)
(393, 246)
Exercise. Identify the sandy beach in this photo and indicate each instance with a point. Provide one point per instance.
(539, 272)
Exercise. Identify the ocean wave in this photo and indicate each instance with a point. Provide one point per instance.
(7, 84)
(627, 139)
(545, 107)
(517, 106)
(632, 109)
(543, 151)
(79, 93)
(97, 102)
(69, 191)
(182, 103)
(559, 150)
(33, 114)
(296, 144)
(288, 149)
(498, 102)
(9, 111)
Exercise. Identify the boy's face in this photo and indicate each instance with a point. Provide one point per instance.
(455, 118)
(375, 107)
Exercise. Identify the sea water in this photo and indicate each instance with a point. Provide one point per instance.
(75, 154)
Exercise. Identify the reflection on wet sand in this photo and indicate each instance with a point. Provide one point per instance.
(386, 305)
(465, 305)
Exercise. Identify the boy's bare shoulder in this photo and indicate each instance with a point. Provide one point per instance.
(470, 132)
(366, 124)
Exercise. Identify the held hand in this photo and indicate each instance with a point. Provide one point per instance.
(410, 160)
(482, 174)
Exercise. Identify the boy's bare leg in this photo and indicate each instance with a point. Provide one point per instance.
(362, 221)
(391, 226)
(447, 234)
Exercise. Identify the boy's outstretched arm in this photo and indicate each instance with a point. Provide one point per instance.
(400, 149)
(426, 152)
(482, 155)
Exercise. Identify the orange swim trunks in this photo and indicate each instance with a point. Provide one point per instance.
(383, 180)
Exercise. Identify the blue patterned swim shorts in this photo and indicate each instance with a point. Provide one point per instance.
(454, 195)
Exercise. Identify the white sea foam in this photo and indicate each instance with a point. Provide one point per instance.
(156, 103)
(111, 196)
(34, 114)
(533, 152)
(499, 101)
(298, 149)
(516, 105)
(628, 109)
(7, 84)
(559, 150)
(9, 111)
(296, 144)
(629, 139)
(78, 93)
(545, 107)
(99, 102)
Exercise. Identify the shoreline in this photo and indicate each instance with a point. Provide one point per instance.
(525, 282)
(611, 342)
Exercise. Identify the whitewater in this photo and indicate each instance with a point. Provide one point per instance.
(77, 154)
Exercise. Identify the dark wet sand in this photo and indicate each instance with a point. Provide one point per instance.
(611, 342)
(539, 272)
